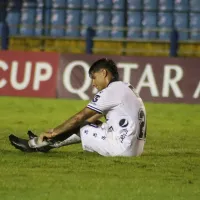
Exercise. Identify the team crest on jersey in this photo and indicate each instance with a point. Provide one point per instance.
(123, 123)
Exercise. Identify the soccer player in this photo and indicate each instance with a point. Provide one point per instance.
(123, 133)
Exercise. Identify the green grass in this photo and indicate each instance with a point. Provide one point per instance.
(168, 169)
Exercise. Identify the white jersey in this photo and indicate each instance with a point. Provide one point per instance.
(124, 110)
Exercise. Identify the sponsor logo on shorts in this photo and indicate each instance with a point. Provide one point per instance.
(123, 123)
(123, 135)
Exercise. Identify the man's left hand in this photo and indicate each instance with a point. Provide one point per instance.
(47, 135)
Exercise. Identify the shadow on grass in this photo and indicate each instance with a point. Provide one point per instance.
(53, 153)
(172, 153)
(79, 154)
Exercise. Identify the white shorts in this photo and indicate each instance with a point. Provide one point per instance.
(98, 139)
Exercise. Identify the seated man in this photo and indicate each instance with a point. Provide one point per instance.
(123, 133)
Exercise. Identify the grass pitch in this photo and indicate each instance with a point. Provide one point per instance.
(168, 169)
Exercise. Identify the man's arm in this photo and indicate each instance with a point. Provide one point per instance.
(95, 119)
(72, 123)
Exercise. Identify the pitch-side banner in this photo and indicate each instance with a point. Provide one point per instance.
(155, 79)
(28, 74)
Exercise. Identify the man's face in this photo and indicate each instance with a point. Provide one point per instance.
(99, 79)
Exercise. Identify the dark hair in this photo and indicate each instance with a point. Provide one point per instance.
(105, 63)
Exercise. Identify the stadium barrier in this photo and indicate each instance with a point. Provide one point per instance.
(103, 46)
(42, 74)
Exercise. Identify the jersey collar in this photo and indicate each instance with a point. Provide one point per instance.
(113, 80)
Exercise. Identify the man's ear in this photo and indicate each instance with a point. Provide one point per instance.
(105, 73)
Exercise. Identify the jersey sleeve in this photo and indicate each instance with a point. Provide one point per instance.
(102, 102)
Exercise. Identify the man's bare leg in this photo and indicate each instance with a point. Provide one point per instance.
(68, 138)
(59, 141)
